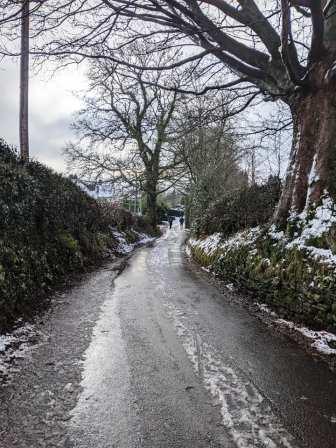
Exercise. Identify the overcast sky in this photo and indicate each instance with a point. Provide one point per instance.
(53, 99)
(52, 104)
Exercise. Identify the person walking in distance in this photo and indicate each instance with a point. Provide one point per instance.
(181, 221)
(170, 220)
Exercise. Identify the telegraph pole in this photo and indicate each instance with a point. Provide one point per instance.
(24, 82)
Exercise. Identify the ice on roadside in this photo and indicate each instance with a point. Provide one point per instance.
(319, 340)
(16, 346)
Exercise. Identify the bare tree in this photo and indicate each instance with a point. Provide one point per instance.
(285, 50)
(210, 152)
(265, 132)
(125, 130)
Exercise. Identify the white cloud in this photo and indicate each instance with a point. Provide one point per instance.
(51, 106)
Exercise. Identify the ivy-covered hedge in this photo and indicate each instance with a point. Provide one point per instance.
(48, 228)
(240, 209)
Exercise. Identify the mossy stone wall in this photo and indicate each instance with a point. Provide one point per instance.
(297, 286)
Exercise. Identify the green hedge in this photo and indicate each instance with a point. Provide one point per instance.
(48, 228)
(123, 219)
(240, 209)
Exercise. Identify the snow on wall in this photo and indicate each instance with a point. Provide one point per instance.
(319, 341)
(216, 241)
(320, 224)
(323, 219)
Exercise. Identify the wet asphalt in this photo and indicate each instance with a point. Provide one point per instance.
(159, 357)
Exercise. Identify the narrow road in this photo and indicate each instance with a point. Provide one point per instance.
(159, 358)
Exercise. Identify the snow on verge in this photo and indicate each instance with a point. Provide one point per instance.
(318, 340)
(209, 245)
(188, 251)
(124, 247)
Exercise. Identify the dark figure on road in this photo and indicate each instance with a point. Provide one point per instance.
(170, 220)
(181, 221)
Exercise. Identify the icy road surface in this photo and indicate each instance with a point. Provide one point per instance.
(159, 358)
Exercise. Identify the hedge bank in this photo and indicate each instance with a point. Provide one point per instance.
(49, 228)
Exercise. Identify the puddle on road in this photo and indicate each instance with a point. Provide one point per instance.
(246, 414)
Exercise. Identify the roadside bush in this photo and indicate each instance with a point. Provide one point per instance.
(122, 219)
(49, 228)
(115, 216)
(240, 209)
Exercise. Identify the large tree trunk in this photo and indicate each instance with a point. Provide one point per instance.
(152, 213)
(312, 167)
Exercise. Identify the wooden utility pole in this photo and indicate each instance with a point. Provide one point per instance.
(253, 167)
(24, 82)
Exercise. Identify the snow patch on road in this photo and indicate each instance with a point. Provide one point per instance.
(245, 412)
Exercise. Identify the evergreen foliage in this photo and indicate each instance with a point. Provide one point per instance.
(240, 209)
(49, 228)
